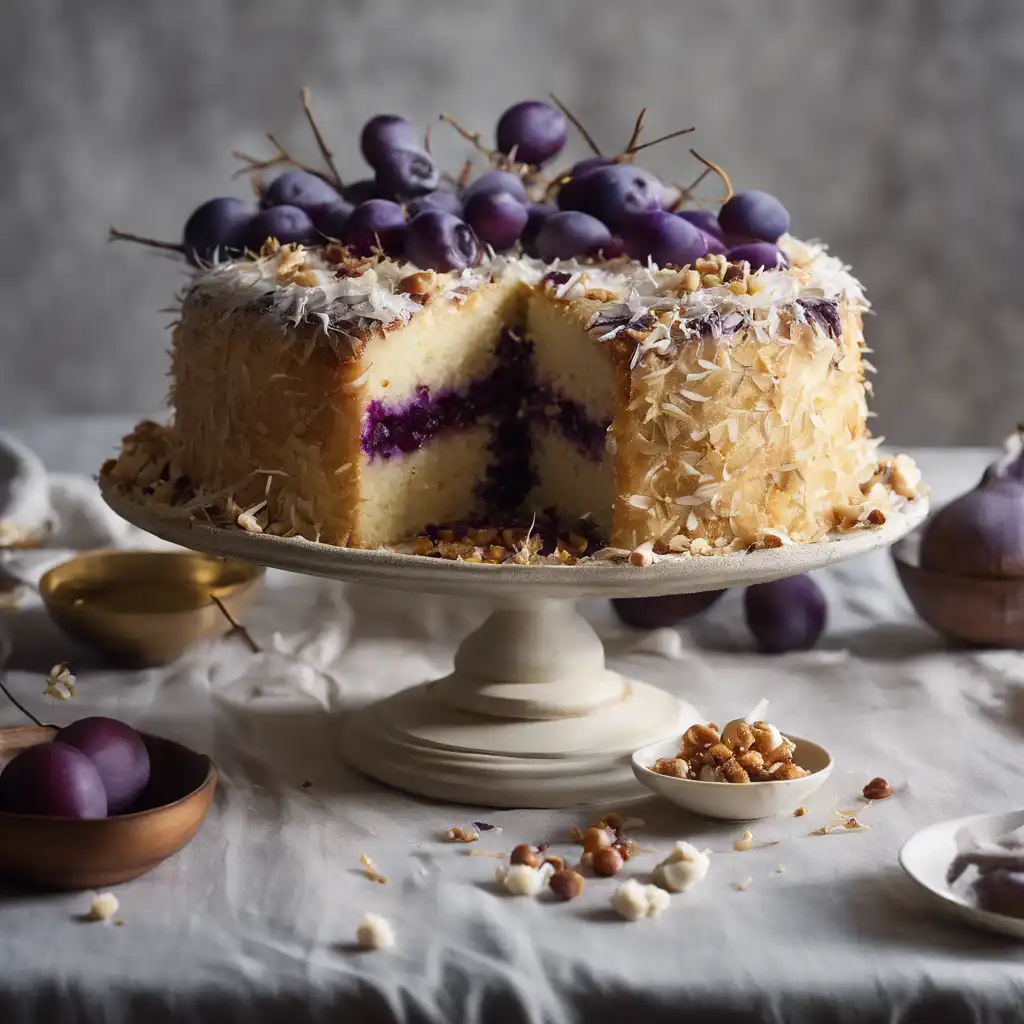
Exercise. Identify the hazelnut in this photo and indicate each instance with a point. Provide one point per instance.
(587, 862)
(690, 281)
(720, 753)
(566, 884)
(733, 772)
(607, 862)
(595, 839)
(877, 789)
(524, 854)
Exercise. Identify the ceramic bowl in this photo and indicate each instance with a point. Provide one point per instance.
(146, 607)
(735, 802)
(65, 853)
(986, 613)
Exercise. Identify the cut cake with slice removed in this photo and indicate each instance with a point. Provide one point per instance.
(359, 402)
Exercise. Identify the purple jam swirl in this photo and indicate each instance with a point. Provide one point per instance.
(507, 397)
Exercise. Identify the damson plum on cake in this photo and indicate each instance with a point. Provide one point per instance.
(629, 374)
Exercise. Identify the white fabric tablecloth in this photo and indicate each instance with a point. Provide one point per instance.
(256, 919)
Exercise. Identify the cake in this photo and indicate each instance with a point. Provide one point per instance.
(703, 401)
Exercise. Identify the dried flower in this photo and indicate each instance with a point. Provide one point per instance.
(60, 683)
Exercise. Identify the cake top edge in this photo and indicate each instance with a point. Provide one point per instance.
(292, 284)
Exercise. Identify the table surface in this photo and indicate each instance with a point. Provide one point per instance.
(256, 919)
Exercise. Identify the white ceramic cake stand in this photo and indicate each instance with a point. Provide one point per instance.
(530, 717)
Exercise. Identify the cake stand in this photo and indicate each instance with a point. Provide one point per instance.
(530, 716)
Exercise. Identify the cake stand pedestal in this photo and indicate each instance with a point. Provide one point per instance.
(530, 716)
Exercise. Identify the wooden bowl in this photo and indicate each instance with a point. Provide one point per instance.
(65, 853)
(985, 613)
(146, 608)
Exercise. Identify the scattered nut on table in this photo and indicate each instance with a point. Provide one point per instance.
(634, 901)
(877, 789)
(682, 869)
(374, 932)
(525, 854)
(607, 862)
(523, 879)
(566, 884)
(104, 906)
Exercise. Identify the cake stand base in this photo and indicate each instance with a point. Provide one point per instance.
(529, 718)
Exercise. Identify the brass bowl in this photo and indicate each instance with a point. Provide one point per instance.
(65, 853)
(981, 612)
(146, 607)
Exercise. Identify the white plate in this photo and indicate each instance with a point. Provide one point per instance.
(926, 857)
(734, 802)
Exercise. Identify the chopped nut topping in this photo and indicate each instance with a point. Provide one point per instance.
(738, 271)
(710, 264)
(799, 812)
(689, 281)
(422, 283)
(743, 886)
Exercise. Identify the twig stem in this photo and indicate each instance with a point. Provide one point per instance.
(154, 243)
(473, 137)
(236, 626)
(718, 170)
(577, 124)
(324, 149)
(637, 129)
(661, 138)
(5, 653)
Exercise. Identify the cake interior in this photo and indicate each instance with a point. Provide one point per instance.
(506, 421)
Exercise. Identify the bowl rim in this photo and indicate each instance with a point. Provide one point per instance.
(774, 783)
(209, 779)
(51, 593)
(905, 554)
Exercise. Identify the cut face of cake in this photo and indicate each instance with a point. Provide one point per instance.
(362, 401)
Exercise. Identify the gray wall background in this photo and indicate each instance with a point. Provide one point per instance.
(894, 130)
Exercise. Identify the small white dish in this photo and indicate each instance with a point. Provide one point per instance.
(733, 801)
(926, 857)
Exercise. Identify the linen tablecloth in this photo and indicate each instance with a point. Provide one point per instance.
(255, 921)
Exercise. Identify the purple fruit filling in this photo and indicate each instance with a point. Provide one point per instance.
(508, 396)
